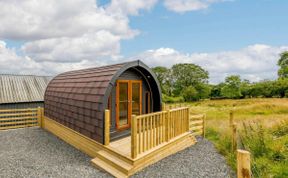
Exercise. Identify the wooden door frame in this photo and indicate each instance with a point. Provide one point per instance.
(129, 82)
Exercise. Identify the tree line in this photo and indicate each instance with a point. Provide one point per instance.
(189, 82)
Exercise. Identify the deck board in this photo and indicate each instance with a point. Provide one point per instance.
(122, 146)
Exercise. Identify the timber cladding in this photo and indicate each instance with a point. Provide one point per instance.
(75, 99)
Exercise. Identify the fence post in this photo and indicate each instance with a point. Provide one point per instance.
(204, 125)
(39, 116)
(134, 137)
(243, 164)
(231, 119)
(234, 136)
(107, 127)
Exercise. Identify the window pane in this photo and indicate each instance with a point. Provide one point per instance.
(136, 98)
(123, 104)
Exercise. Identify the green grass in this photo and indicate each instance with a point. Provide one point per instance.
(262, 127)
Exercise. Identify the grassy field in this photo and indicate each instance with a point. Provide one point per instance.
(262, 129)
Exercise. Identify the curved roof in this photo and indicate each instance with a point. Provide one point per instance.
(78, 98)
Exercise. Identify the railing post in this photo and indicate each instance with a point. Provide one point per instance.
(107, 127)
(167, 126)
(243, 164)
(204, 125)
(163, 106)
(188, 119)
(134, 143)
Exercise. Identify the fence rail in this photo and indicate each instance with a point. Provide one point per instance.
(20, 118)
(150, 130)
(197, 124)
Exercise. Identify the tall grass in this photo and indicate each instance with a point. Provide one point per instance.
(262, 129)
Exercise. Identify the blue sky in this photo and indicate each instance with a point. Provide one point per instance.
(223, 26)
(225, 37)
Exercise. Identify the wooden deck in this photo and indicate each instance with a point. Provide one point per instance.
(162, 136)
(122, 146)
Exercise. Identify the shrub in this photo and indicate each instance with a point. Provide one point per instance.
(190, 94)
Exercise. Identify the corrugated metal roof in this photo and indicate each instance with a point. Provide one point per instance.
(22, 88)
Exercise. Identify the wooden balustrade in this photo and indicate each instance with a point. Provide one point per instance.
(151, 130)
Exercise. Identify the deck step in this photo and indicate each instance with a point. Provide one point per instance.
(113, 160)
(99, 163)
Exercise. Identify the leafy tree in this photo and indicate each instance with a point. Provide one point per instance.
(204, 90)
(216, 90)
(190, 94)
(245, 88)
(231, 88)
(185, 75)
(164, 77)
(283, 64)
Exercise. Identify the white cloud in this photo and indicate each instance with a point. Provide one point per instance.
(33, 20)
(255, 62)
(182, 6)
(128, 7)
(12, 63)
(63, 35)
(90, 46)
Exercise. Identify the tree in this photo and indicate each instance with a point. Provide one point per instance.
(164, 77)
(245, 88)
(185, 75)
(283, 64)
(231, 88)
(190, 94)
(204, 90)
(216, 90)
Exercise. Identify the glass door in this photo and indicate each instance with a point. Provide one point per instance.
(128, 101)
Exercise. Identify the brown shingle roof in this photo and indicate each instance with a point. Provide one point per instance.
(77, 99)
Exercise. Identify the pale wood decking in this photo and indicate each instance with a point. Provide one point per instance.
(122, 146)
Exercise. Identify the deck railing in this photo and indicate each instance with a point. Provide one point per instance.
(150, 130)
(19, 118)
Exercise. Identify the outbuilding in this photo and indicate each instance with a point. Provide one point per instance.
(78, 99)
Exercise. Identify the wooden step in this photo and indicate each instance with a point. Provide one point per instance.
(99, 163)
(115, 161)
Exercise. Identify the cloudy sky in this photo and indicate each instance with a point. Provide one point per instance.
(225, 37)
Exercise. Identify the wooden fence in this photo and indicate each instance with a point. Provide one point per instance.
(197, 124)
(20, 118)
(150, 130)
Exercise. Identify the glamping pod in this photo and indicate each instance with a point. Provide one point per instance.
(78, 99)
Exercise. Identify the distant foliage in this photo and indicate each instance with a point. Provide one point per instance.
(190, 94)
(181, 79)
(283, 64)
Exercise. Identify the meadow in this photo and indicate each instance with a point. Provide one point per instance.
(262, 129)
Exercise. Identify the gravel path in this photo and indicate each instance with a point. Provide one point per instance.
(34, 152)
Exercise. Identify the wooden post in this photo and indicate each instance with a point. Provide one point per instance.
(231, 119)
(163, 106)
(167, 126)
(39, 116)
(204, 125)
(134, 137)
(234, 137)
(107, 127)
(243, 164)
